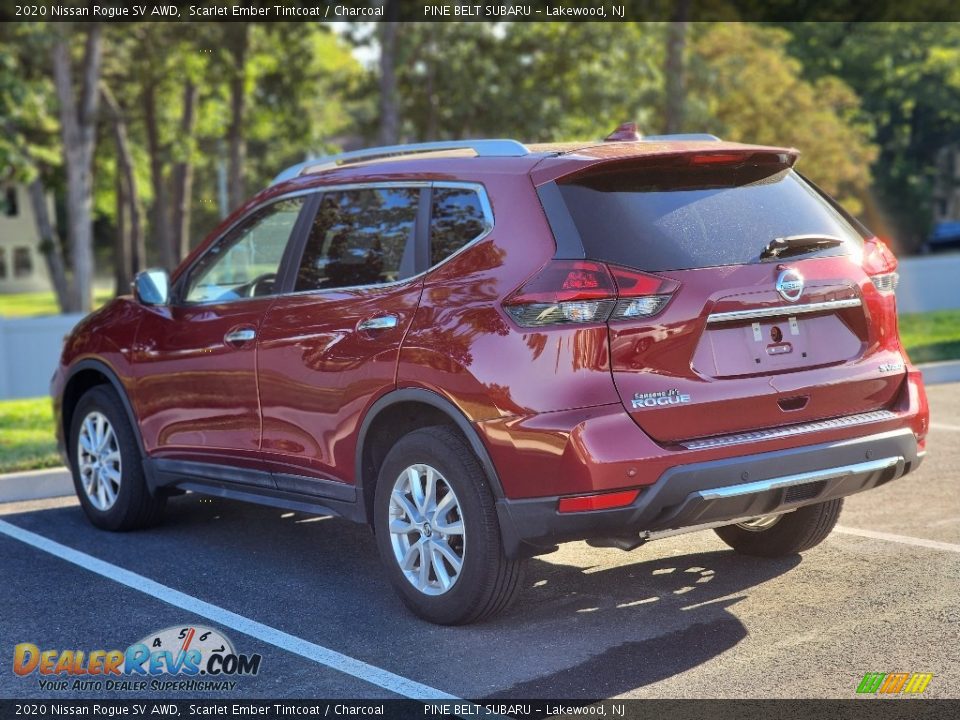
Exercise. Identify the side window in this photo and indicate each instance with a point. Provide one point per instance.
(457, 219)
(3, 263)
(245, 263)
(360, 237)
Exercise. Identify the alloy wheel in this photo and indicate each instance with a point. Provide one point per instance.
(98, 458)
(426, 529)
(759, 524)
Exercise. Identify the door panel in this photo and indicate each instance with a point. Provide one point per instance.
(330, 350)
(195, 362)
(320, 370)
(196, 388)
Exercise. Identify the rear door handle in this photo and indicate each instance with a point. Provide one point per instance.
(240, 336)
(383, 322)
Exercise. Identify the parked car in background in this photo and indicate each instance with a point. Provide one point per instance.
(484, 349)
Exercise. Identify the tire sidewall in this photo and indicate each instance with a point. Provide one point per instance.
(479, 545)
(102, 400)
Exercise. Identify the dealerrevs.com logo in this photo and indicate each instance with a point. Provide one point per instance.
(200, 658)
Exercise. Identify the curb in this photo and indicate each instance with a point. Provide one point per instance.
(35, 485)
(940, 372)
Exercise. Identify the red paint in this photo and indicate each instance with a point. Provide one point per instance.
(549, 403)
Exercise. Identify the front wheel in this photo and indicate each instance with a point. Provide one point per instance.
(437, 530)
(107, 465)
(782, 535)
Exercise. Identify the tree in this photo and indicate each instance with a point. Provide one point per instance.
(673, 72)
(907, 76)
(29, 150)
(78, 119)
(130, 250)
(389, 112)
(745, 87)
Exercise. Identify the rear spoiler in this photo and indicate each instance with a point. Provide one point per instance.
(595, 160)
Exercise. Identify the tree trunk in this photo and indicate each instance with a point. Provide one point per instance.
(50, 245)
(121, 247)
(160, 216)
(389, 112)
(674, 69)
(183, 175)
(78, 128)
(238, 35)
(132, 259)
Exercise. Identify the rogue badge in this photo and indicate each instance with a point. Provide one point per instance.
(659, 399)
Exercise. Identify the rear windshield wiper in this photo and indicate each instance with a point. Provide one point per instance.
(797, 245)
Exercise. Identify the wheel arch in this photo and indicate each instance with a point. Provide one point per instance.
(402, 411)
(83, 376)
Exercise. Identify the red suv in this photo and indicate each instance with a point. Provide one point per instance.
(484, 349)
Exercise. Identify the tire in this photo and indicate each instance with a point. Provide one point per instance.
(118, 498)
(487, 580)
(792, 533)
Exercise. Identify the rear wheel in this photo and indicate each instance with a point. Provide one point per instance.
(107, 465)
(437, 530)
(787, 534)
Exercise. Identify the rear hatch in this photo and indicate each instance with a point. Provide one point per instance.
(768, 318)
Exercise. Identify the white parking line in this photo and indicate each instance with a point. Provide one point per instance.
(903, 539)
(291, 643)
(944, 426)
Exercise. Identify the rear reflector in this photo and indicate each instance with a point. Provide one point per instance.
(605, 501)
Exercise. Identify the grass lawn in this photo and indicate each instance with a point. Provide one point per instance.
(26, 435)
(22, 305)
(931, 336)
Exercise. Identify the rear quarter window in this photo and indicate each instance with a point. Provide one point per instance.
(677, 218)
(457, 219)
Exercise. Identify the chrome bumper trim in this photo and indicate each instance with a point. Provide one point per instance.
(835, 473)
(782, 311)
(789, 430)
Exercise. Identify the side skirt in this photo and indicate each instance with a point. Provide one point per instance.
(326, 497)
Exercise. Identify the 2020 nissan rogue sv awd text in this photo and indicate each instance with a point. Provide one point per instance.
(484, 349)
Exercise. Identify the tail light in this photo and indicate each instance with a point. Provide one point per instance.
(584, 291)
(881, 265)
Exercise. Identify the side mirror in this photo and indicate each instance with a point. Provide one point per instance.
(152, 287)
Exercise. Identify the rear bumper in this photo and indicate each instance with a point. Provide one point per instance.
(715, 491)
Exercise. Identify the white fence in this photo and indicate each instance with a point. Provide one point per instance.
(30, 347)
(29, 352)
(929, 283)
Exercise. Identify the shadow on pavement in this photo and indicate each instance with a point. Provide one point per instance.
(574, 632)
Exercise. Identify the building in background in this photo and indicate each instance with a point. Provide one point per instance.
(22, 266)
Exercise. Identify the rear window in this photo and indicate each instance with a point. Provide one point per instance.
(676, 218)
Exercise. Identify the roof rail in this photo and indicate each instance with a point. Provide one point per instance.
(704, 137)
(483, 148)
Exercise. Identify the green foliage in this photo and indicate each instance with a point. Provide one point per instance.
(931, 336)
(27, 439)
(534, 81)
(908, 77)
(38, 304)
(745, 87)
(28, 124)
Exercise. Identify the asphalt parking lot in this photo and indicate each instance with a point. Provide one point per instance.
(680, 618)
